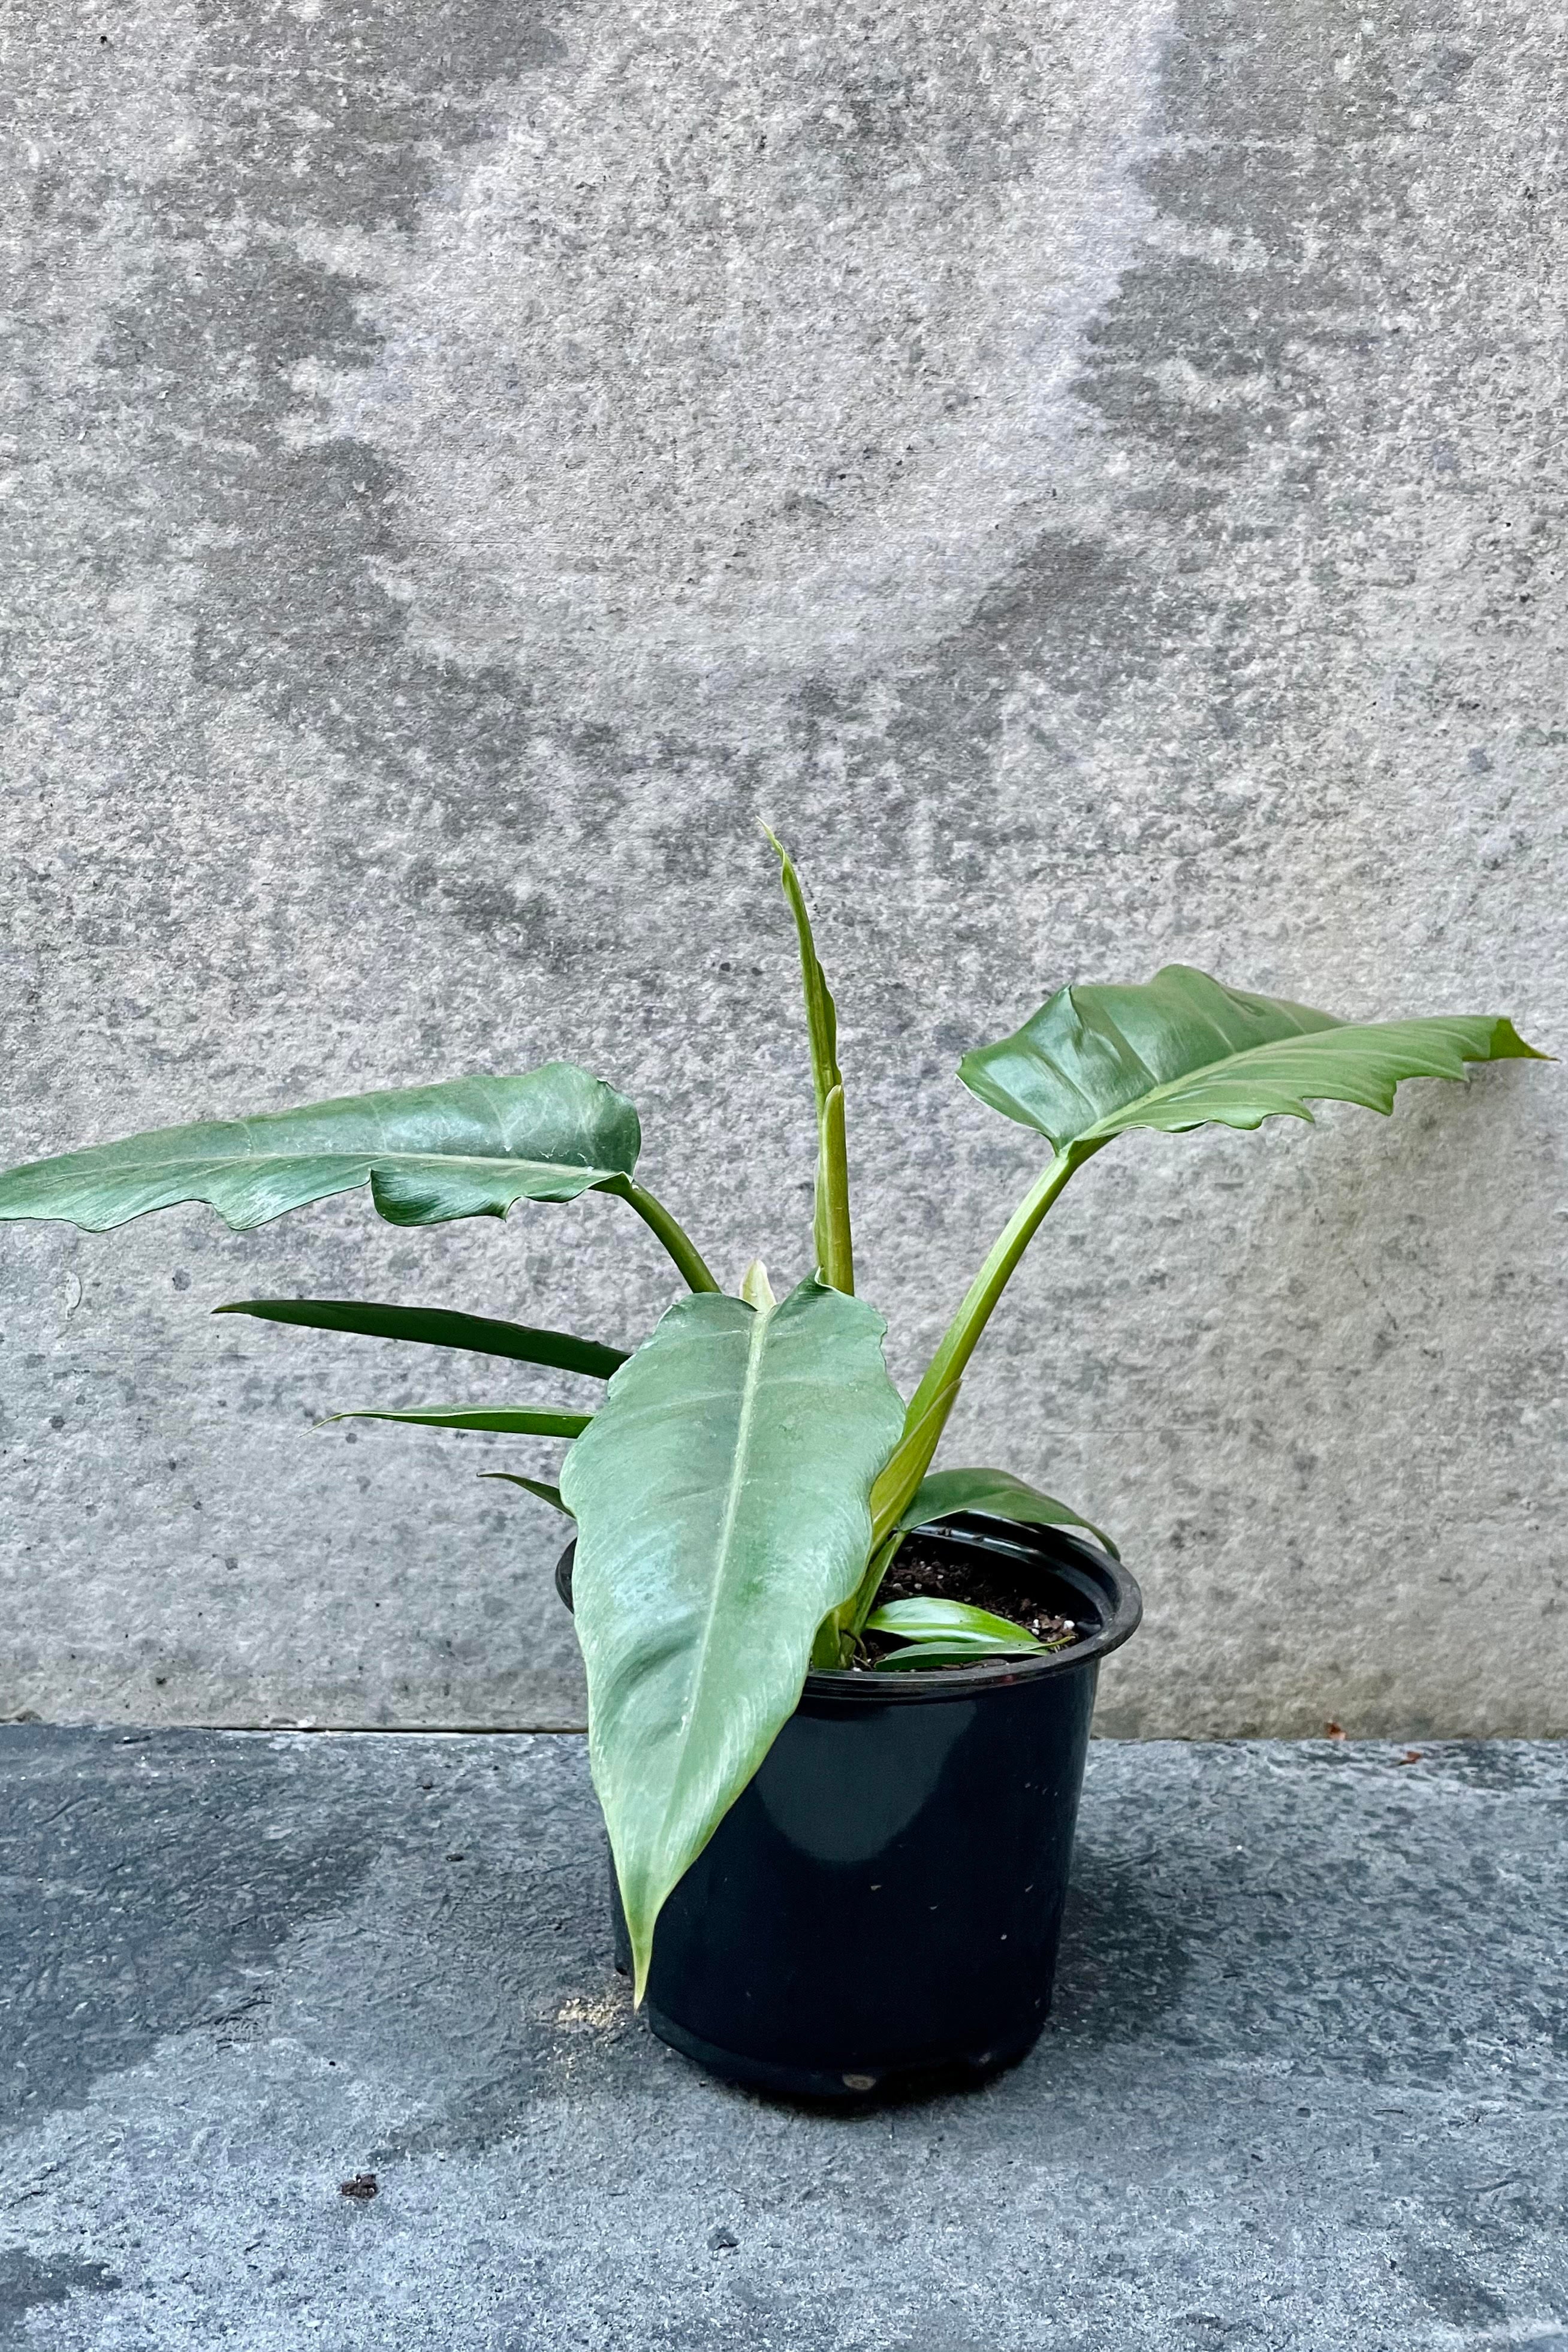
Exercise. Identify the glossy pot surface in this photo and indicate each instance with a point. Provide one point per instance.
(884, 1901)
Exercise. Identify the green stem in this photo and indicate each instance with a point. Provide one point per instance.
(827, 1648)
(674, 1237)
(841, 1629)
(963, 1333)
(943, 1374)
(830, 1222)
(865, 1600)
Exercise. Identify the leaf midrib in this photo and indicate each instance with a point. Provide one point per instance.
(1344, 1031)
(750, 1388)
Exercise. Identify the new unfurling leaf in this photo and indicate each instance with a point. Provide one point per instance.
(830, 1224)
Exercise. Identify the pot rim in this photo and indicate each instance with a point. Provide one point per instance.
(1109, 1589)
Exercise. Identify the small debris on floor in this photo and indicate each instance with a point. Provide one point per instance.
(363, 2186)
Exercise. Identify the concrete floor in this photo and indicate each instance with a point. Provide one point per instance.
(1303, 2090)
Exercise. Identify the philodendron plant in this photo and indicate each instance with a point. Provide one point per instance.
(742, 1487)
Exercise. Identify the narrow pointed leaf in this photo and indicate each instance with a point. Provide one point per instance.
(513, 1421)
(722, 1498)
(929, 1619)
(830, 1223)
(437, 1327)
(1183, 1051)
(469, 1148)
(546, 1494)
(998, 1493)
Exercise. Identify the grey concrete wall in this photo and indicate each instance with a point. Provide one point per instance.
(1091, 476)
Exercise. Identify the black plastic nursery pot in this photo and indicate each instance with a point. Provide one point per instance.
(884, 1901)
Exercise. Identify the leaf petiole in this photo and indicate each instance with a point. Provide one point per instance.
(962, 1334)
(693, 1267)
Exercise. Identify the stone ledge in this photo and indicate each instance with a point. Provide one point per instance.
(1303, 2090)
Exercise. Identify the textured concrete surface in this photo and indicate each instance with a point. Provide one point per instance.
(1091, 476)
(1302, 2092)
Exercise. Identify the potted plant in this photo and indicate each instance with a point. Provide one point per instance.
(839, 1700)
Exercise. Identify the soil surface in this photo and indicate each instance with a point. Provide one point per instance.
(930, 1571)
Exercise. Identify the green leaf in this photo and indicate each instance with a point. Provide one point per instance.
(437, 1327)
(546, 1494)
(927, 1619)
(830, 1225)
(469, 1148)
(513, 1421)
(1183, 1052)
(1178, 1052)
(999, 1493)
(919, 1655)
(721, 1498)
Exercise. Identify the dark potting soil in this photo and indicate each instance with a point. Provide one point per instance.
(924, 1572)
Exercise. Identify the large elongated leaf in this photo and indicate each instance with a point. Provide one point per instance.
(999, 1493)
(721, 1501)
(1183, 1051)
(437, 1327)
(468, 1148)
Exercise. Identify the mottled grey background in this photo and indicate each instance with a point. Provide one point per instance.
(1091, 476)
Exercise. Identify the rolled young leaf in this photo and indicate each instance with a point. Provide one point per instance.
(511, 1421)
(830, 1224)
(721, 1501)
(1001, 1496)
(466, 1148)
(755, 1289)
(1183, 1051)
(437, 1327)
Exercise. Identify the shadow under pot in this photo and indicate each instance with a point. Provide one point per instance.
(881, 1907)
